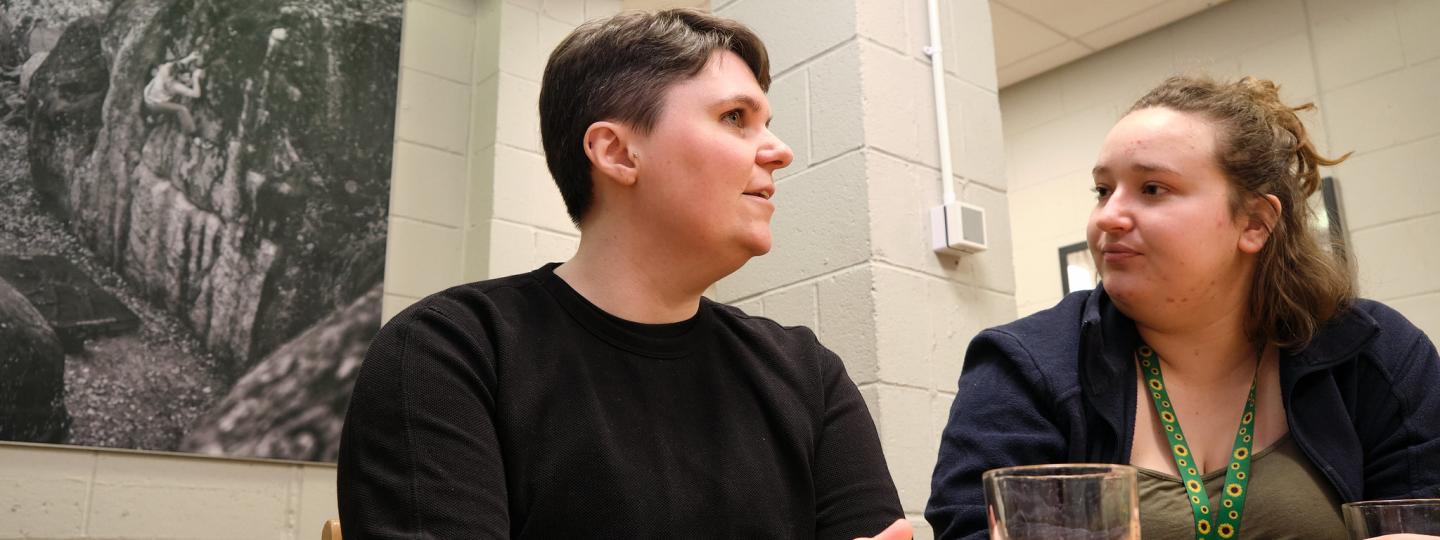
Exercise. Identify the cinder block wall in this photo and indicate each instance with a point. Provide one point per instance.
(852, 96)
(1373, 68)
(472, 198)
(64, 493)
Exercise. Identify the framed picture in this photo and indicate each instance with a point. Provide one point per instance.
(1328, 226)
(1077, 268)
(193, 207)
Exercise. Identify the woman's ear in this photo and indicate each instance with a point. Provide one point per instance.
(609, 147)
(1264, 212)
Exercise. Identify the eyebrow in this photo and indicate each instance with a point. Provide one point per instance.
(1101, 170)
(749, 103)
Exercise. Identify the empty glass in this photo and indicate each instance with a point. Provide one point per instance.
(1063, 502)
(1370, 519)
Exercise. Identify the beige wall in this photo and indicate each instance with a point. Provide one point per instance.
(852, 96)
(50, 492)
(472, 198)
(1372, 67)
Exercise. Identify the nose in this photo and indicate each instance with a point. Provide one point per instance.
(1112, 214)
(774, 154)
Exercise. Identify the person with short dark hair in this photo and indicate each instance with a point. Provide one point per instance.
(1224, 353)
(605, 397)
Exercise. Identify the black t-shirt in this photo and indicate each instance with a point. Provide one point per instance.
(515, 408)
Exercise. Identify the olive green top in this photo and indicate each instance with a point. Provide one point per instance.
(1288, 498)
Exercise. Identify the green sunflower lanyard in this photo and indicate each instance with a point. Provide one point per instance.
(1225, 521)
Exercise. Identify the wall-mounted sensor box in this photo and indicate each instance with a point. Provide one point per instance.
(957, 228)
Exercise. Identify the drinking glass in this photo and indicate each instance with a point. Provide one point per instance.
(1369, 519)
(1063, 502)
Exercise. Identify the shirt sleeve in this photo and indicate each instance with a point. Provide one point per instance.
(854, 494)
(1003, 415)
(419, 457)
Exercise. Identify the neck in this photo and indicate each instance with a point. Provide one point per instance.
(1204, 352)
(630, 278)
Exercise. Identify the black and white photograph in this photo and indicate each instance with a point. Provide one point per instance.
(193, 199)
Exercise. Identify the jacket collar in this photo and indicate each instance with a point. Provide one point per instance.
(1111, 332)
(1107, 372)
(1338, 340)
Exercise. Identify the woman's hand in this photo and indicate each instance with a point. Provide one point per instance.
(901, 530)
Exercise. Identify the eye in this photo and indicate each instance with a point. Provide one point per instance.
(732, 117)
(1153, 189)
(1101, 191)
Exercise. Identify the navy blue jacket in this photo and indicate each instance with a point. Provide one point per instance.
(1059, 386)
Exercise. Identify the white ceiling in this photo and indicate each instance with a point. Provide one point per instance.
(1035, 36)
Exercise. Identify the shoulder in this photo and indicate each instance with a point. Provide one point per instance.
(1395, 342)
(474, 306)
(1392, 324)
(763, 332)
(1044, 336)
(791, 353)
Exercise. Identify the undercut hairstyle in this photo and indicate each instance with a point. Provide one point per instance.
(619, 69)
(1264, 149)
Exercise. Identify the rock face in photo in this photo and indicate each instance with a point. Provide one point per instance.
(292, 404)
(271, 215)
(32, 373)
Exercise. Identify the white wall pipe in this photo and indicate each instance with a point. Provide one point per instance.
(942, 116)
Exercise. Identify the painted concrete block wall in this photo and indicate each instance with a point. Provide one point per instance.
(517, 219)
(852, 96)
(473, 199)
(75, 493)
(1373, 69)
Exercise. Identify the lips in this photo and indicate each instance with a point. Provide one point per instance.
(1118, 249)
(1117, 252)
(763, 193)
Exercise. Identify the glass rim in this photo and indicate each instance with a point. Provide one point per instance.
(1392, 503)
(1090, 470)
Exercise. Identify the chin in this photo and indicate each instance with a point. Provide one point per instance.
(1124, 292)
(757, 243)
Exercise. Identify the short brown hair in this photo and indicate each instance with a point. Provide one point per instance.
(619, 69)
(1263, 149)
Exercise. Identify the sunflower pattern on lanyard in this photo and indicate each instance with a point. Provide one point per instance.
(1210, 523)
